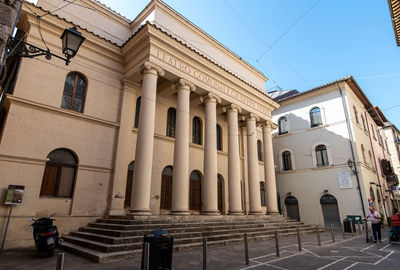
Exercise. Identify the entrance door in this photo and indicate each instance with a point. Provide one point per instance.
(292, 208)
(128, 189)
(166, 188)
(195, 191)
(330, 210)
(220, 191)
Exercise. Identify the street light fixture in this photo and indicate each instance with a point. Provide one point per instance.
(71, 41)
(352, 166)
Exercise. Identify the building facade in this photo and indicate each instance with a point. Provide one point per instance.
(321, 133)
(152, 116)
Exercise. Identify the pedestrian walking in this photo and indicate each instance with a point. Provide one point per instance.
(376, 223)
(395, 223)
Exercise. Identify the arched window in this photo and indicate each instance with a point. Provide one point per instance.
(59, 174)
(171, 121)
(286, 161)
(137, 111)
(283, 125)
(371, 160)
(197, 131)
(259, 150)
(363, 153)
(363, 122)
(219, 137)
(356, 114)
(321, 154)
(74, 92)
(166, 188)
(262, 194)
(315, 117)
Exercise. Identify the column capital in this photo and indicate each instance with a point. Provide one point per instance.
(184, 83)
(268, 123)
(232, 107)
(148, 67)
(128, 85)
(211, 97)
(249, 117)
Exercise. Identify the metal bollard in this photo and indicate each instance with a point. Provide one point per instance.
(351, 228)
(204, 253)
(359, 228)
(366, 232)
(60, 261)
(277, 244)
(333, 236)
(318, 235)
(146, 264)
(299, 239)
(246, 249)
(342, 229)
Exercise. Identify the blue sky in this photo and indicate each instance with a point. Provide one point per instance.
(332, 40)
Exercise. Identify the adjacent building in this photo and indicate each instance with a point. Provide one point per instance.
(326, 165)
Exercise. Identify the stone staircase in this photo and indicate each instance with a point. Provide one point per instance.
(119, 237)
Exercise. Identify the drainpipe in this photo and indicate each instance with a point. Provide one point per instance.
(346, 113)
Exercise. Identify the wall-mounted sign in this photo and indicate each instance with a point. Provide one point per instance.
(14, 194)
(345, 180)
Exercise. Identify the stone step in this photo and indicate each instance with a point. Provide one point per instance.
(154, 222)
(194, 218)
(103, 257)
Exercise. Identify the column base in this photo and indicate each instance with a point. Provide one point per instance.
(273, 213)
(210, 213)
(143, 212)
(235, 213)
(180, 213)
(255, 213)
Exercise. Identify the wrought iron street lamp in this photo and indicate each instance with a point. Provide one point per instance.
(352, 166)
(71, 41)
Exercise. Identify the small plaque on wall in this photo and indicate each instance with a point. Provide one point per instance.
(14, 194)
(345, 180)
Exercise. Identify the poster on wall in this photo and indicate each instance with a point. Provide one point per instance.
(14, 194)
(345, 180)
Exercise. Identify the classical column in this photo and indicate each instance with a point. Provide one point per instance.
(269, 169)
(180, 185)
(209, 192)
(252, 159)
(145, 139)
(235, 196)
(123, 155)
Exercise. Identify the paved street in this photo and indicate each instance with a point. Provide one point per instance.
(350, 253)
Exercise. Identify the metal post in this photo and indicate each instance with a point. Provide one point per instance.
(146, 265)
(299, 239)
(60, 261)
(359, 228)
(333, 236)
(318, 235)
(276, 244)
(366, 231)
(246, 249)
(342, 229)
(5, 232)
(351, 228)
(204, 253)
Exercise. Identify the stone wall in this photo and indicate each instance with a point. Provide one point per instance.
(8, 10)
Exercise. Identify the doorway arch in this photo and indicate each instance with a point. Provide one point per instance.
(166, 188)
(220, 183)
(128, 188)
(330, 210)
(195, 191)
(292, 208)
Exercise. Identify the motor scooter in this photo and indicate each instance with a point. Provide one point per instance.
(45, 235)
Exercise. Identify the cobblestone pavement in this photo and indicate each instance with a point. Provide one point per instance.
(349, 253)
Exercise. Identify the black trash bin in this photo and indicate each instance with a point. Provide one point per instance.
(347, 223)
(160, 250)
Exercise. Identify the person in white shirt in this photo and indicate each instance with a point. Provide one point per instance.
(375, 218)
